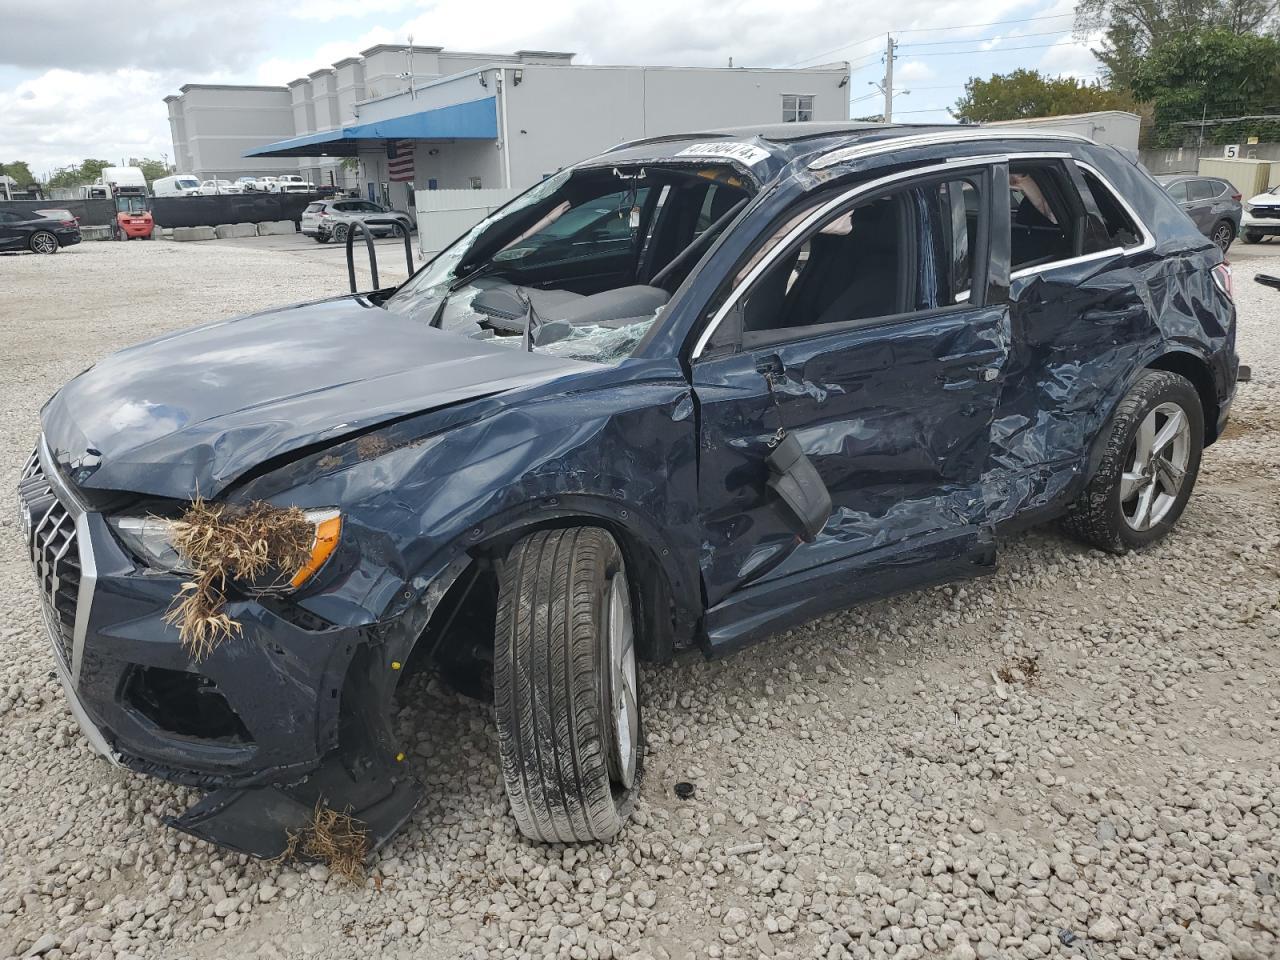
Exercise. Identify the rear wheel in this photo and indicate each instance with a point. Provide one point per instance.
(42, 241)
(565, 690)
(340, 233)
(321, 238)
(1224, 232)
(1148, 470)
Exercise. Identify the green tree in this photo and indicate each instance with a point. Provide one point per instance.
(19, 171)
(1028, 93)
(72, 176)
(1133, 28)
(1209, 73)
(152, 170)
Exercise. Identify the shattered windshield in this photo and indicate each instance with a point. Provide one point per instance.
(581, 265)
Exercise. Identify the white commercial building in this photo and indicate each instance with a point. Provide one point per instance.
(490, 122)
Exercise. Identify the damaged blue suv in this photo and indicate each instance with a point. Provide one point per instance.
(685, 394)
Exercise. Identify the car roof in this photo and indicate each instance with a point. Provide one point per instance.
(820, 144)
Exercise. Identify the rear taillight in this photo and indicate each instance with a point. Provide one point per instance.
(70, 223)
(1222, 277)
(1237, 197)
(323, 213)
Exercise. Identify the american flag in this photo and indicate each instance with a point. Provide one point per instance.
(400, 160)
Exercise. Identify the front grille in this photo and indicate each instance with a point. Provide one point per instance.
(51, 537)
(1269, 213)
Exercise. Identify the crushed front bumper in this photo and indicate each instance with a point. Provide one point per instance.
(282, 718)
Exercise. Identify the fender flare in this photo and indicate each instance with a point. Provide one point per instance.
(644, 544)
(1176, 360)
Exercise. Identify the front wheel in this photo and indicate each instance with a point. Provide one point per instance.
(1253, 236)
(1148, 469)
(565, 691)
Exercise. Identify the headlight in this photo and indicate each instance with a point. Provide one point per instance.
(148, 538)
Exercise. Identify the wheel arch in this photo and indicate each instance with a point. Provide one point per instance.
(1181, 361)
(1196, 369)
(667, 602)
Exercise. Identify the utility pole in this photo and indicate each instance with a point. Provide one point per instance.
(888, 78)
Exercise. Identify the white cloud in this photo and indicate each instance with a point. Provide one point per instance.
(1072, 58)
(278, 70)
(913, 71)
(62, 116)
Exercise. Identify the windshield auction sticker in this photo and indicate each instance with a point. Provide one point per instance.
(746, 153)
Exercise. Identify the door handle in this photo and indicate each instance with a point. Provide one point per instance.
(770, 367)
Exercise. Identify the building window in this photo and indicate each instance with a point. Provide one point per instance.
(796, 107)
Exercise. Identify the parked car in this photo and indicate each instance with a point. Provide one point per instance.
(179, 185)
(1262, 216)
(40, 231)
(290, 179)
(1213, 203)
(213, 188)
(327, 220)
(247, 184)
(294, 188)
(807, 367)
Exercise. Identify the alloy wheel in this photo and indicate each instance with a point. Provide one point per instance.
(624, 708)
(1156, 466)
(340, 232)
(44, 243)
(1222, 236)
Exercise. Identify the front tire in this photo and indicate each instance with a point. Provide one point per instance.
(1253, 236)
(565, 692)
(1148, 469)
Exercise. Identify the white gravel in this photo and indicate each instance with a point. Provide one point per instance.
(897, 780)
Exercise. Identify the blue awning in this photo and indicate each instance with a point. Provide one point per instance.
(476, 120)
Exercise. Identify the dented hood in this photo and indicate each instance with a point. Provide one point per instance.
(191, 411)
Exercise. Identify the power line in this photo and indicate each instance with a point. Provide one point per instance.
(939, 43)
(843, 46)
(958, 53)
(991, 23)
(954, 26)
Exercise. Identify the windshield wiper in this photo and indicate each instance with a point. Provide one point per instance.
(438, 316)
(531, 319)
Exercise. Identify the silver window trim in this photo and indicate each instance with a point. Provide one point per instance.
(769, 259)
(1148, 239)
(1147, 243)
(860, 150)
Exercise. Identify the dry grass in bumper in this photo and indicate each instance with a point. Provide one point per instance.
(220, 541)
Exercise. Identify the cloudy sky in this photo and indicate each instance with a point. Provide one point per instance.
(86, 78)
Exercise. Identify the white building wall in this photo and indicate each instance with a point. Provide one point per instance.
(222, 122)
(1118, 128)
(560, 115)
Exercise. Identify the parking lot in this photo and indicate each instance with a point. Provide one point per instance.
(1076, 757)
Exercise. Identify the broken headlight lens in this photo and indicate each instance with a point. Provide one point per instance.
(148, 538)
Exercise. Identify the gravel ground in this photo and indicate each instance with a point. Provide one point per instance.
(1075, 757)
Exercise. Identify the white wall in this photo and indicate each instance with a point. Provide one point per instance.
(221, 123)
(1115, 127)
(560, 115)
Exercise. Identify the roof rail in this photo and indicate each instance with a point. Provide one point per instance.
(859, 150)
